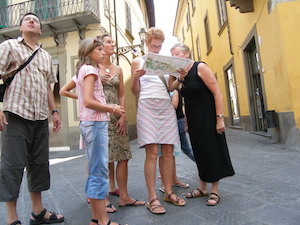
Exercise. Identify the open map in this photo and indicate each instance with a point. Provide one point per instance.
(160, 65)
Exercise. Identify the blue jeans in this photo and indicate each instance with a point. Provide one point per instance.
(185, 145)
(95, 137)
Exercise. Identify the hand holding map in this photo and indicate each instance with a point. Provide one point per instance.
(160, 65)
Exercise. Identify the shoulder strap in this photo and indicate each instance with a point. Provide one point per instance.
(10, 79)
(164, 81)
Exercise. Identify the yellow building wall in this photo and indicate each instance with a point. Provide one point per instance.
(276, 34)
(220, 43)
(289, 14)
(271, 50)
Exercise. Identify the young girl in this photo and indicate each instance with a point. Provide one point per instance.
(94, 117)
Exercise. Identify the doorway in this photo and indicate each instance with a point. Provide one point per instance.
(233, 97)
(255, 87)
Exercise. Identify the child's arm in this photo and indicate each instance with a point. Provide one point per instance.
(90, 102)
(175, 99)
(66, 90)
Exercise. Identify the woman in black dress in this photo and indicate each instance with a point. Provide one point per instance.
(204, 111)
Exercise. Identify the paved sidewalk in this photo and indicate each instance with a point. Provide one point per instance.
(264, 191)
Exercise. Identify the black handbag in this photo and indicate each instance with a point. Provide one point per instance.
(7, 82)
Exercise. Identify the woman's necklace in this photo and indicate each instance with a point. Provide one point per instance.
(107, 70)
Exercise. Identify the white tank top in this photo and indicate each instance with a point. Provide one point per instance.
(151, 86)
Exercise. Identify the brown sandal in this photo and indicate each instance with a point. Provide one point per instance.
(152, 207)
(194, 195)
(174, 201)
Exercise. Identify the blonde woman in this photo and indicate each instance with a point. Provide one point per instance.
(156, 125)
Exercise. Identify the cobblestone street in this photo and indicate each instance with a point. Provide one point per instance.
(264, 191)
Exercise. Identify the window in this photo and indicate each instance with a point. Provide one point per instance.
(3, 14)
(128, 18)
(207, 34)
(222, 15)
(198, 48)
(46, 9)
(188, 20)
(193, 6)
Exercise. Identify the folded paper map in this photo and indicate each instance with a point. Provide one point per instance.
(160, 64)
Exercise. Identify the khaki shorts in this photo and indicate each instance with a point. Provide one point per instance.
(25, 144)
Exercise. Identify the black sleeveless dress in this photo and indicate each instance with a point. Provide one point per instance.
(209, 147)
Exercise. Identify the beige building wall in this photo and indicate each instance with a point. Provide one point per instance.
(64, 54)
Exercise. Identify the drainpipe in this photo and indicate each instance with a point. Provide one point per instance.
(228, 31)
(229, 38)
(192, 38)
(116, 33)
(109, 17)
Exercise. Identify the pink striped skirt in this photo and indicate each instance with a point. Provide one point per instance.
(156, 122)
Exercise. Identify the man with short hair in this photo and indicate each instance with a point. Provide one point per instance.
(24, 122)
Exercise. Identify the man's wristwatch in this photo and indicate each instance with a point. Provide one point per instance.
(54, 111)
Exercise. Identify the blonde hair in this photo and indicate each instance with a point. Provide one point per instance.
(85, 48)
(183, 47)
(154, 33)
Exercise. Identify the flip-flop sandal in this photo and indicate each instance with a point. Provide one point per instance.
(194, 195)
(94, 221)
(181, 185)
(116, 192)
(109, 222)
(216, 199)
(133, 204)
(161, 189)
(17, 222)
(174, 201)
(152, 207)
(110, 206)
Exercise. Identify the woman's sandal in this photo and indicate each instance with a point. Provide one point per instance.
(94, 221)
(174, 201)
(115, 192)
(110, 208)
(216, 199)
(193, 194)
(39, 219)
(181, 185)
(155, 208)
(109, 222)
(16, 222)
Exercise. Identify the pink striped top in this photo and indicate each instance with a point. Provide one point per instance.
(86, 114)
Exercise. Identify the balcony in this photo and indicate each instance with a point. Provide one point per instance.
(57, 16)
(244, 6)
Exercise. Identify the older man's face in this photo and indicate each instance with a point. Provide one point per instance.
(31, 24)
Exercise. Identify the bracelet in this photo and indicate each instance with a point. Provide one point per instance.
(113, 109)
(180, 81)
(220, 115)
(54, 111)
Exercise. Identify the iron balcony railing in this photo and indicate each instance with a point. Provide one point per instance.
(10, 15)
